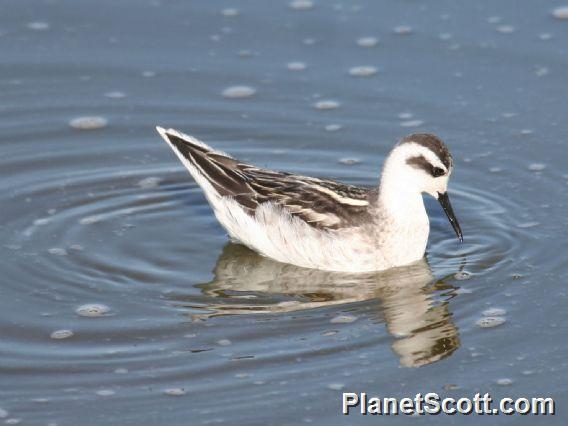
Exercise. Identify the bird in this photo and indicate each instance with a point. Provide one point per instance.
(320, 223)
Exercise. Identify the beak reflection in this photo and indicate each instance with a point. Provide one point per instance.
(447, 206)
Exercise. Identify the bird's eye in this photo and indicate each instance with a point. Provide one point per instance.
(437, 172)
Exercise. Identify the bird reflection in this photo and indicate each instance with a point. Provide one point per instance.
(410, 301)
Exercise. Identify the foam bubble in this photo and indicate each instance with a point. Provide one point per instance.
(411, 123)
(301, 4)
(175, 391)
(505, 29)
(105, 392)
(537, 167)
(333, 127)
(38, 26)
(490, 322)
(57, 251)
(224, 342)
(343, 319)
(349, 161)
(505, 382)
(336, 386)
(403, 30)
(237, 92)
(92, 310)
(115, 94)
(494, 312)
(367, 41)
(230, 12)
(363, 71)
(88, 123)
(296, 66)
(462, 275)
(61, 334)
(149, 182)
(560, 12)
(326, 104)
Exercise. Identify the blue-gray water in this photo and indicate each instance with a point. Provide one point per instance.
(202, 332)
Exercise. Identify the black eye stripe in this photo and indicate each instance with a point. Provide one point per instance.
(420, 162)
(434, 144)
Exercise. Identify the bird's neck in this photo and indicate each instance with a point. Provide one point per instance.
(403, 219)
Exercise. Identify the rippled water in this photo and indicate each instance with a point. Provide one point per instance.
(121, 300)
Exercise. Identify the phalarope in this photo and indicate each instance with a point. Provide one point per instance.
(319, 223)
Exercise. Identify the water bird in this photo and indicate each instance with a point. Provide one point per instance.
(320, 223)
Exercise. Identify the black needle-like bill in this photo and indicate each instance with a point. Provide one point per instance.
(447, 206)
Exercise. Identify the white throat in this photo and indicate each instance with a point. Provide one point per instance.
(404, 221)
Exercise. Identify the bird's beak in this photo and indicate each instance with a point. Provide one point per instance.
(447, 206)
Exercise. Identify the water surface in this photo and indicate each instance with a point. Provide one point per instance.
(195, 330)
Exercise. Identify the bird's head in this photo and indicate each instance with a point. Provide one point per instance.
(421, 162)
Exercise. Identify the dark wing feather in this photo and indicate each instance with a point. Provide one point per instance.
(324, 204)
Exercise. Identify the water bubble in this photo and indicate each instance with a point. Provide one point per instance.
(296, 66)
(541, 71)
(57, 251)
(403, 30)
(242, 375)
(494, 19)
(349, 161)
(88, 123)
(363, 71)
(545, 36)
(343, 319)
(367, 41)
(148, 74)
(490, 322)
(175, 391)
(462, 275)
(504, 382)
(12, 421)
(42, 221)
(224, 342)
(121, 370)
(3, 413)
(237, 92)
(336, 386)
(537, 167)
(411, 123)
(309, 41)
(105, 392)
(405, 115)
(560, 12)
(92, 310)
(89, 220)
(505, 29)
(38, 26)
(115, 95)
(245, 53)
(326, 104)
(301, 4)
(229, 12)
(149, 182)
(61, 334)
(333, 127)
(494, 312)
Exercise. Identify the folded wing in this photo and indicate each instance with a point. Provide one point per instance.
(320, 203)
